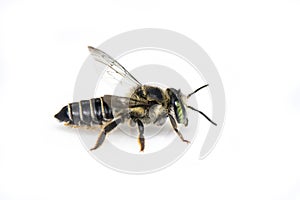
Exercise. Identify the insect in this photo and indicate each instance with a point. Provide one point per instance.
(145, 105)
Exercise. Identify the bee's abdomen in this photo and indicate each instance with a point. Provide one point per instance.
(89, 112)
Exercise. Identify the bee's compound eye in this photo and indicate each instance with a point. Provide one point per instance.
(177, 104)
(179, 112)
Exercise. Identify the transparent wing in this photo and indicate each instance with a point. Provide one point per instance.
(115, 67)
(124, 102)
(123, 105)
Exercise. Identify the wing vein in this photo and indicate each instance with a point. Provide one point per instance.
(104, 58)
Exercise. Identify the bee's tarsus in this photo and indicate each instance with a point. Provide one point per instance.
(186, 141)
(92, 149)
(141, 138)
(174, 125)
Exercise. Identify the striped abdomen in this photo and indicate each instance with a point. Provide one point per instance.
(86, 112)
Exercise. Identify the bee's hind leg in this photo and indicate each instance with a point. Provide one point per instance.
(174, 125)
(109, 127)
(141, 138)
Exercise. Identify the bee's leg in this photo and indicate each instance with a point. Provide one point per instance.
(106, 130)
(174, 124)
(161, 119)
(141, 138)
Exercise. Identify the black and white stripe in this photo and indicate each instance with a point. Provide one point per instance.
(90, 112)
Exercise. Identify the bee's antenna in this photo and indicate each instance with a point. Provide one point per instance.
(188, 96)
(194, 109)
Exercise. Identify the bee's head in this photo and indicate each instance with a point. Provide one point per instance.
(177, 103)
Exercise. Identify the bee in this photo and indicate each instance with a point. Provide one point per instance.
(145, 104)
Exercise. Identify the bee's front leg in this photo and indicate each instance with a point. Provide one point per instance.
(141, 138)
(174, 124)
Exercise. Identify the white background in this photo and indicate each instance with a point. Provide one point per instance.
(255, 46)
